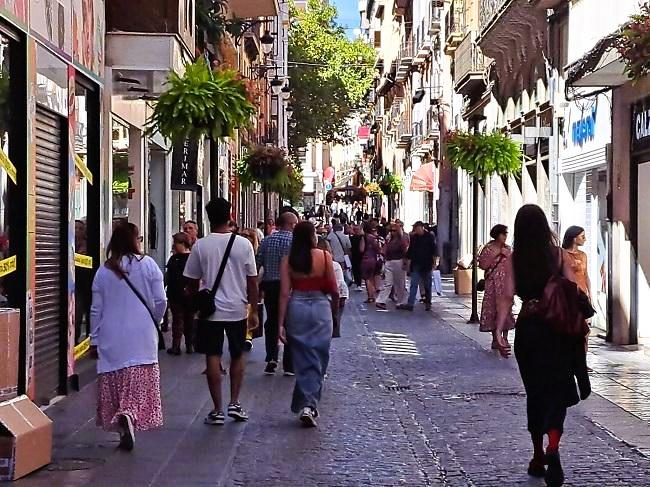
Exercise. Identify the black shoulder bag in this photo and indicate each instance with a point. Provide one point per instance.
(205, 298)
(161, 338)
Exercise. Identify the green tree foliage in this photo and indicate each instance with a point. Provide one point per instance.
(330, 77)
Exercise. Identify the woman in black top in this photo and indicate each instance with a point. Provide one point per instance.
(182, 313)
(355, 254)
(549, 362)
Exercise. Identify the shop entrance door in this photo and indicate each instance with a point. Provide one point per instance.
(49, 367)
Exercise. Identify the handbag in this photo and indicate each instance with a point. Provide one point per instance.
(161, 337)
(565, 307)
(480, 286)
(205, 297)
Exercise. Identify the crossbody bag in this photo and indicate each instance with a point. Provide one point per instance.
(205, 298)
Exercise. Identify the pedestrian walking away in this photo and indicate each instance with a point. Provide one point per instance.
(371, 263)
(177, 296)
(223, 266)
(273, 249)
(128, 303)
(421, 257)
(341, 247)
(305, 317)
(550, 360)
(394, 268)
(356, 255)
(492, 261)
(344, 292)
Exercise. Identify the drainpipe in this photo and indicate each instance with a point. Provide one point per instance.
(474, 318)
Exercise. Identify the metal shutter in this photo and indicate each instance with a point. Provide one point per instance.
(49, 248)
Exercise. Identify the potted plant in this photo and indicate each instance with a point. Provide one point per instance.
(265, 163)
(373, 189)
(633, 44)
(201, 103)
(391, 184)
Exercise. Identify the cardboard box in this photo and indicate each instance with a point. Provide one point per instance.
(25, 438)
(9, 351)
(463, 280)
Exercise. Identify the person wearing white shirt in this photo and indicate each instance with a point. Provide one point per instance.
(344, 292)
(237, 289)
(124, 338)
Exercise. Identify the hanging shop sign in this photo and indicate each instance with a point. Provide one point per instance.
(81, 260)
(184, 166)
(584, 129)
(7, 266)
(641, 125)
(8, 166)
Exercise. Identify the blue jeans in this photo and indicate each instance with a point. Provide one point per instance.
(417, 278)
(309, 332)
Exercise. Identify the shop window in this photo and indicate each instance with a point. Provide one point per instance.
(122, 186)
(5, 181)
(83, 259)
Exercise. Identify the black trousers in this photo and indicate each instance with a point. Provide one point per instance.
(271, 326)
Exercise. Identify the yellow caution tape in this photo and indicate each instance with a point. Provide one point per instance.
(8, 166)
(8, 265)
(81, 349)
(81, 260)
(81, 165)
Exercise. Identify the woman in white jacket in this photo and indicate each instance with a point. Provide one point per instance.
(344, 291)
(125, 339)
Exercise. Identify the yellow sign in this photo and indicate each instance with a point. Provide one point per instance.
(81, 260)
(8, 166)
(81, 165)
(81, 349)
(8, 265)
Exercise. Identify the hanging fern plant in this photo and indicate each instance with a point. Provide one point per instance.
(268, 166)
(633, 44)
(391, 184)
(484, 155)
(201, 103)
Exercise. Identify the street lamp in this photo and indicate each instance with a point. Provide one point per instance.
(289, 111)
(267, 42)
(293, 124)
(286, 92)
(276, 85)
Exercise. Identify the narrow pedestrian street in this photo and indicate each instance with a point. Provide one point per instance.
(411, 399)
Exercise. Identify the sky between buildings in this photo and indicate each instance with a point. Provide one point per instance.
(348, 15)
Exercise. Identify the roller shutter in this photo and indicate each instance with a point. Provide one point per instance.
(48, 363)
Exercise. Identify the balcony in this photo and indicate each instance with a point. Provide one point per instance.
(418, 145)
(433, 124)
(404, 132)
(245, 9)
(422, 43)
(405, 61)
(470, 64)
(435, 17)
(453, 28)
(400, 7)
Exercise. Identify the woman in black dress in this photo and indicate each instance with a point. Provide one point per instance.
(356, 255)
(549, 362)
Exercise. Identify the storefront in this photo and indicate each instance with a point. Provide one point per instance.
(583, 189)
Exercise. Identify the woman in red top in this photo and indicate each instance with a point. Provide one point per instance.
(305, 317)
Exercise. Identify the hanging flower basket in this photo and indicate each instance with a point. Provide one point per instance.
(484, 155)
(633, 44)
(391, 184)
(373, 189)
(201, 103)
(267, 166)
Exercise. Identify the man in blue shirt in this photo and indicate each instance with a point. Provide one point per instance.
(273, 249)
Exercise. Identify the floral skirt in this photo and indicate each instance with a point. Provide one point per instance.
(132, 391)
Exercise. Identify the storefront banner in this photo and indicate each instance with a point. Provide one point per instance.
(81, 165)
(8, 265)
(85, 261)
(8, 166)
(184, 166)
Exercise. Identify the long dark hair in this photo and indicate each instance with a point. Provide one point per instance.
(303, 241)
(124, 242)
(534, 254)
(570, 236)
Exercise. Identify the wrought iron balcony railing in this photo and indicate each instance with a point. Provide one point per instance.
(469, 61)
(488, 10)
(453, 27)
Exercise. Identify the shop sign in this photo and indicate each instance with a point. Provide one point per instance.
(641, 125)
(584, 129)
(83, 169)
(85, 261)
(8, 166)
(7, 266)
(184, 166)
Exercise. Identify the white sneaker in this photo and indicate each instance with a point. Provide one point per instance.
(307, 417)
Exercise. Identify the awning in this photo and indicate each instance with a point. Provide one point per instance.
(422, 179)
(602, 66)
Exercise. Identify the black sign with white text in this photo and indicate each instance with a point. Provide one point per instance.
(184, 164)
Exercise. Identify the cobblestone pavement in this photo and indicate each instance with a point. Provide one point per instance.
(411, 399)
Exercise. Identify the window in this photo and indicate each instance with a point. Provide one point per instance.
(121, 174)
(5, 180)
